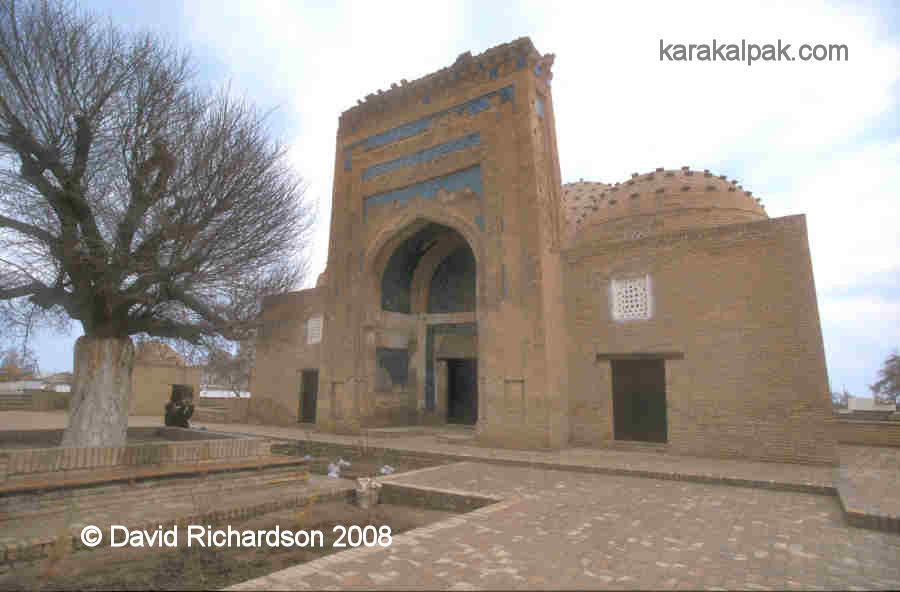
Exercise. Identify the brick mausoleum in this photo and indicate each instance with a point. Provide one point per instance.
(466, 284)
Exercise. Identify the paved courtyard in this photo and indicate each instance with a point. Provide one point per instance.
(559, 529)
(588, 527)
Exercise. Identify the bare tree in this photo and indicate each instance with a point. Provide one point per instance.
(225, 362)
(887, 389)
(130, 200)
(840, 400)
(16, 364)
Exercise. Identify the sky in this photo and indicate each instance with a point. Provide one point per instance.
(818, 138)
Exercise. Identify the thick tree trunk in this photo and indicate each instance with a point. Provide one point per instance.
(101, 393)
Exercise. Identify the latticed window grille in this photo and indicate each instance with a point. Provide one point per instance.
(314, 330)
(631, 299)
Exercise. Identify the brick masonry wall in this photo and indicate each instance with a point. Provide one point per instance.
(282, 352)
(868, 433)
(738, 302)
(33, 462)
(152, 386)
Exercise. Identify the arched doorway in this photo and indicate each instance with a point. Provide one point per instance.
(429, 281)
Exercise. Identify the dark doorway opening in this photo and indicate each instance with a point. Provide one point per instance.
(309, 391)
(462, 391)
(639, 400)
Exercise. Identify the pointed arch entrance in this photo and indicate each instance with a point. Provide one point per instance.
(427, 294)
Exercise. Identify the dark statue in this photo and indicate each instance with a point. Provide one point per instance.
(181, 407)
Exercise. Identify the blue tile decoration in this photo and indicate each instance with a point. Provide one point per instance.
(414, 128)
(537, 69)
(452, 286)
(422, 156)
(520, 62)
(492, 74)
(539, 107)
(397, 278)
(470, 177)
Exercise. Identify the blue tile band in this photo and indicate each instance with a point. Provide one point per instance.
(414, 128)
(423, 156)
(457, 181)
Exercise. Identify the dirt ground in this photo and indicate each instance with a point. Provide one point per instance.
(194, 568)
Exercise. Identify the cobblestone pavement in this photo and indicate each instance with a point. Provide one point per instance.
(868, 483)
(568, 529)
(560, 529)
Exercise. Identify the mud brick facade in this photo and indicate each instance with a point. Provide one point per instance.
(466, 284)
(157, 368)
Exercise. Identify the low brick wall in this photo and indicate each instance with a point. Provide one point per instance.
(34, 462)
(48, 438)
(869, 433)
(352, 452)
(252, 410)
(34, 400)
(432, 498)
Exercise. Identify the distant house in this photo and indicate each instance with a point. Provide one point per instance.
(20, 386)
(864, 404)
(221, 392)
(41, 393)
(61, 382)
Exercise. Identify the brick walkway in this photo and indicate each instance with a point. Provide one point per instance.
(559, 529)
(576, 529)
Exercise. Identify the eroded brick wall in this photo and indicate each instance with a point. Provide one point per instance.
(282, 352)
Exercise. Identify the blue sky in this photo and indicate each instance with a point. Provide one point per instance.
(816, 138)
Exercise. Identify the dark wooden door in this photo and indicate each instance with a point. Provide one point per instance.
(462, 391)
(639, 400)
(309, 391)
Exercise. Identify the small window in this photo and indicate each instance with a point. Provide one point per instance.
(631, 299)
(314, 330)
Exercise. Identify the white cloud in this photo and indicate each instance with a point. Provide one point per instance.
(321, 61)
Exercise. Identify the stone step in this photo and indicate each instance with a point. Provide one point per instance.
(90, 477)
(210, 415)
(85, 495)
(31, 539)
(14, 405)
(449, 438)
(637, 446)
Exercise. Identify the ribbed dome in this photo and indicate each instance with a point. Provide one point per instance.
(654, 203)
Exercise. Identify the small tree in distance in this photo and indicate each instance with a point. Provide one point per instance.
(840, 400)
(130, 200)
(17, 365)
(887, 389)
